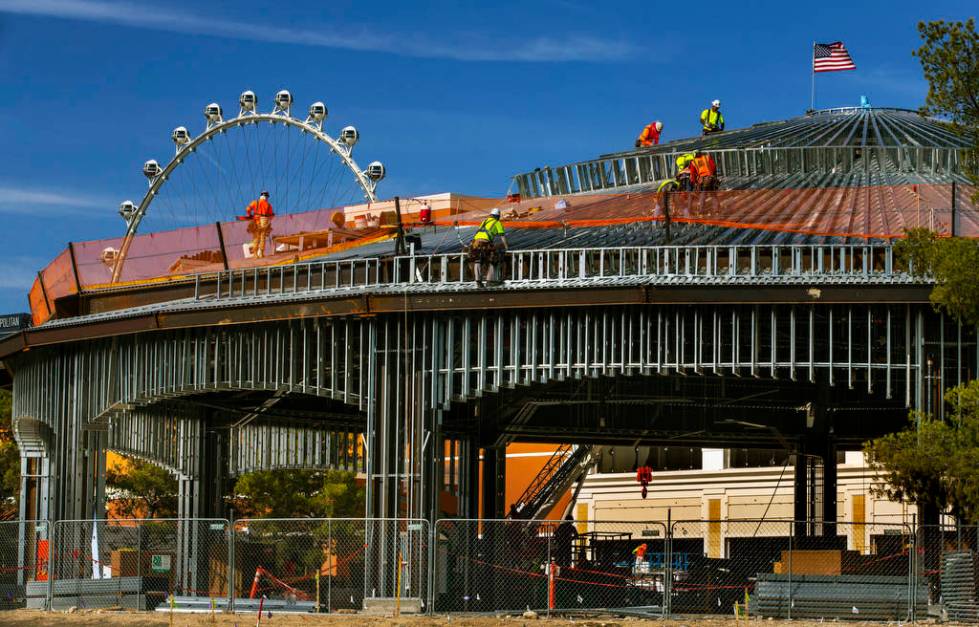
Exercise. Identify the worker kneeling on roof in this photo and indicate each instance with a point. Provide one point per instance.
(712, 120)
(650, 135)
(684, 174)
(703, 172)
(485, 252)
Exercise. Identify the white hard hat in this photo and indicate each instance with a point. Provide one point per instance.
(495, 212)
(716, 103)
(659, 125)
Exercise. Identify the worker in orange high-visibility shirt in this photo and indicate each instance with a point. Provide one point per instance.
(650, 135)
(703, 172)
(261, 214)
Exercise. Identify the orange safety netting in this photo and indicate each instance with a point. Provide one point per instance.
(176, 254)
(884, 211)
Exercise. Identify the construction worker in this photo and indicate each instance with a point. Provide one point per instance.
(260, 213)
(650, 135)
(703, 172)
(484, 249)
(712, 120)
(681, 179)
(639, 565)
(684, 175)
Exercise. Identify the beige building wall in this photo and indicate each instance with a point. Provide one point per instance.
(734, 496)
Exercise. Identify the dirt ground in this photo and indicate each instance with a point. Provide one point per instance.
(108, 618)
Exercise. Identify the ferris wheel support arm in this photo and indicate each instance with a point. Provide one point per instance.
(314, 128)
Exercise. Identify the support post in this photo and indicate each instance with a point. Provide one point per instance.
(399, 242)
(801, 492)
(494, 482)
(812, 78)
(224, 253)
(469, 481)
(44, 293)
(829, 489)
(78, 284)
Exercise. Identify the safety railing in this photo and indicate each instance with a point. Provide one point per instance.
(702, 261)
(285, 279)
(560, 264)
(614, 172)
(769, 568)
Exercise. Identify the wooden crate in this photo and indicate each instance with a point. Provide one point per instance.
(824, 562)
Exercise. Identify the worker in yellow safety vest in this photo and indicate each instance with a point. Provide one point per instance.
(485, 252)
(683, 170)
(712, 120)
(681, 180)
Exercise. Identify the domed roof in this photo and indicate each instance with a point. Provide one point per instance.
(856, 127)
(844, 147)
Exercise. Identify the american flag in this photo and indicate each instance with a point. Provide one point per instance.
(831, 58)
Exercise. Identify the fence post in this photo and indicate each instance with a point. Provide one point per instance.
(912, 579)
(139, 561)
(52, 544)
(432, 540)
(791, 546)
(333, 560)
(231, 564)
(668, 572)
(548, 581)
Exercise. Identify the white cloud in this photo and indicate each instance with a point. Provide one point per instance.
(19, 272)
(469, 47)
(14, 200)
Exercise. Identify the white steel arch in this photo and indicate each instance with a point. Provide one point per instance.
(248, 114)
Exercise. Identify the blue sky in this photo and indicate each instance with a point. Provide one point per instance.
(453, 96)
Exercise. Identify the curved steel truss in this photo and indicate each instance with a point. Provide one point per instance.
(159, 395)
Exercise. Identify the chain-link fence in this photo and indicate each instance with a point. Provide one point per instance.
(510, 565)
(325, 565)
(789, 569)
(947, 568)
(767, 568)
(23, 559)
(137, 564)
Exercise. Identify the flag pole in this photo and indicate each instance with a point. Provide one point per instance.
(812, 70)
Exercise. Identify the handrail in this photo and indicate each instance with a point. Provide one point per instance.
(647, 167)
(764, 262)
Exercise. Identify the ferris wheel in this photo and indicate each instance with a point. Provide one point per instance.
(215, 174)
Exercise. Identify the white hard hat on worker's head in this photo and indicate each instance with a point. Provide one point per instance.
(716, 103)
(495, 212)
(659, 125)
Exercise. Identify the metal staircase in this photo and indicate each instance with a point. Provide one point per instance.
(568, 464)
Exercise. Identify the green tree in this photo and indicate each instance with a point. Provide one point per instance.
(934, 462)
(951, 262)
(9, 459)
(299, 493)
(142, 490)
(949, 56)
